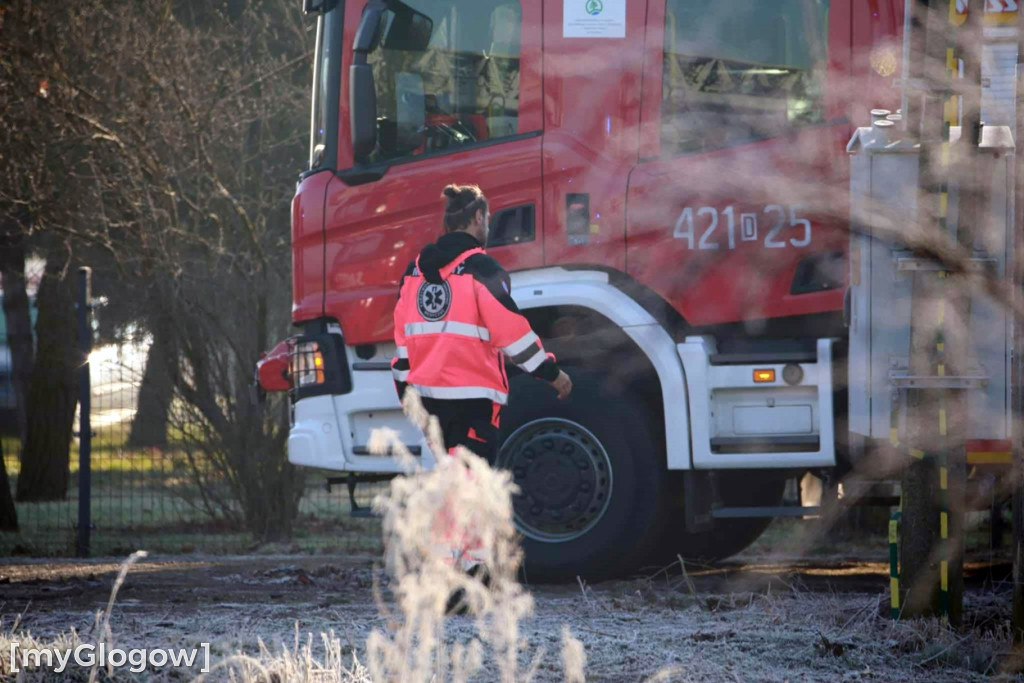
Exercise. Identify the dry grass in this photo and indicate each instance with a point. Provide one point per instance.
(628, 630)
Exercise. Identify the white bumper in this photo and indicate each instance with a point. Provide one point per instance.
(727, 405)
(332, 432)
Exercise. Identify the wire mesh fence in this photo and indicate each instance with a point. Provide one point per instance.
(160, 494)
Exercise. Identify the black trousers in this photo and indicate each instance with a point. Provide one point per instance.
(472, 423)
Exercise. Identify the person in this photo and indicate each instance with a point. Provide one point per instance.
(455, 326)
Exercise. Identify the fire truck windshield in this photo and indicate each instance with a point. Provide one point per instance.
(445, 74)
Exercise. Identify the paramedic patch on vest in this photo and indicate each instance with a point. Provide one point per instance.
(433, 301)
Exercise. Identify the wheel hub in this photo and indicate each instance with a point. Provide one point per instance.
(564, 476)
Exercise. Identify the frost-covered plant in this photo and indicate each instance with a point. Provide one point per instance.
(462, 492)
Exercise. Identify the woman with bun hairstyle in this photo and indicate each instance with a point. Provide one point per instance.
(456, 326)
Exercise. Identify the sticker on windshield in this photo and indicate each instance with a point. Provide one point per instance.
(593, 18)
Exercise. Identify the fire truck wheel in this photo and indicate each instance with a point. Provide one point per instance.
(589, 475)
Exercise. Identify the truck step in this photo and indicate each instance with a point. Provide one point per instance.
(790, 443)
(371, 366)
(365, 450)
(776, 511)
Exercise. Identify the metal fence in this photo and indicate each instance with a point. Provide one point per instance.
(149, 497)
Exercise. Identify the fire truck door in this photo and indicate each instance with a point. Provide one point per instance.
(457, 89)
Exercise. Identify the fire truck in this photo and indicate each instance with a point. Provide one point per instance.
(670, 192)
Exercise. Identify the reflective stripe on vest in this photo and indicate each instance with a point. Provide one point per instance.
(448, 327)
(526, 352)
(534, 361)
(521, 344)
(452, 393)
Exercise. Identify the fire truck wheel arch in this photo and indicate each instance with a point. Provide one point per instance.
(592, 479)
(552, 287)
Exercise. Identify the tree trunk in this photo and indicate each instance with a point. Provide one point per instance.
(52, 395)
(16, 313)
(149, 426)
(8, 513)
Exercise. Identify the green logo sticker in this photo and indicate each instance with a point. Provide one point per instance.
(594, 7)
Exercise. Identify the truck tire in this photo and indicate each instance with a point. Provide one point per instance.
(728, 536)
(590, 477)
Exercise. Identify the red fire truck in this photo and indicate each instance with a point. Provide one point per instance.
(669, 190)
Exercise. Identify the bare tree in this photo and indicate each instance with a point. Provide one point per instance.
(177, 131)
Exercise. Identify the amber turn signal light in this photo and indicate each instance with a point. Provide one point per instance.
(764, 375)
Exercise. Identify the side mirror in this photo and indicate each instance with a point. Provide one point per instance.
(407, 30)
(362, 102)
(362, 96)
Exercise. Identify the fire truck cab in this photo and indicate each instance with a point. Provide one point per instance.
(669, 189)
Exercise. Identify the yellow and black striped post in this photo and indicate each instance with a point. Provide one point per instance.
(894, 561)
(950, 119)
(935, 408)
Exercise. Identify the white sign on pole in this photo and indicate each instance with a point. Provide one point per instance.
(593, 18)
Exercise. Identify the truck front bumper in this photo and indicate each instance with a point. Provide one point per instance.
(333, 431)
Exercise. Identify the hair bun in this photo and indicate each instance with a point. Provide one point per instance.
(460, 196)
(461, 204)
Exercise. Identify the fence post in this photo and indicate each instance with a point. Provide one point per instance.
(84, 407)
